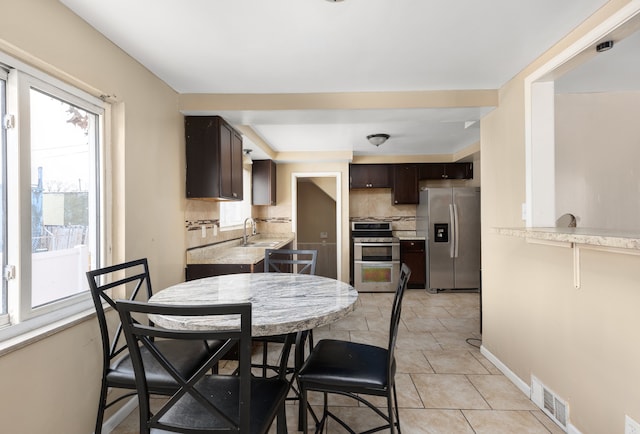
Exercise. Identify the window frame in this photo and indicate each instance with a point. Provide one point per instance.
(21, 316)
(4, 313)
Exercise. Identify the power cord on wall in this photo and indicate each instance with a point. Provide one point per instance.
(468, 340)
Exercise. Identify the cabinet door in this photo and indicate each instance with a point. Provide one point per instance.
(263, 182)
(201, 134)
(236, 166)
(230, 163)
(412, 253)
(432, 171)
(369, 176)
(405, 184)
(226, 162)
(458, 171)
(446, 171)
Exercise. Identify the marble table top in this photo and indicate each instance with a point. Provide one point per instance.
(281, 302)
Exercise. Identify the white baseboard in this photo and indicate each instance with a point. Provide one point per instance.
(120, 415)
(524, 387)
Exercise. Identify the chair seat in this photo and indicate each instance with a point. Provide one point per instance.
(338, 364)
(185, 355)
(266, 399)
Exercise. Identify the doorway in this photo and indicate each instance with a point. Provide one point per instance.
(316, 210)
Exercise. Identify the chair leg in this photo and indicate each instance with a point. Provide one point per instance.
(302, 413)
(101, 407)
(299, 360)
(397, 411)
(265, 352)
(282, 420)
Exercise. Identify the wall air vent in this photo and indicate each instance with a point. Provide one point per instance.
(556, 408)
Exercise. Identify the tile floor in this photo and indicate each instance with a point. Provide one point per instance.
(444, 384)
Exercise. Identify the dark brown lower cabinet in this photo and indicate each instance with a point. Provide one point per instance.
(412, 253)
(198, 271)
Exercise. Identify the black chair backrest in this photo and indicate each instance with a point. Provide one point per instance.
(222, 414)
(130, 276)
(396, 311)
(290, 261)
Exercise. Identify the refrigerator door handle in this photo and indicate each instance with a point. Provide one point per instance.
(452, 229)
(456, 230)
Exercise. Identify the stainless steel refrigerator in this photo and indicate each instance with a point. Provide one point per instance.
(449, 219)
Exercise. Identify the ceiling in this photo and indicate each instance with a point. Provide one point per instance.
(319, 47)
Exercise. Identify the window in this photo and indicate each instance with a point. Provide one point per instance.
(233, 213)
(51, 225)
(4, 318)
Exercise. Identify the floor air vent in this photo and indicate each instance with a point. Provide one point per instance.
(550, 403)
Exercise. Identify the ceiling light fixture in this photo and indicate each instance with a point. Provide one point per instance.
(377, 139)
(604, 46)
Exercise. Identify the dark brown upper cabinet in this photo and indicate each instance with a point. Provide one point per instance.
(369, 176)
(263, 182)
(446, 171)
(405, 184)
(214, 159)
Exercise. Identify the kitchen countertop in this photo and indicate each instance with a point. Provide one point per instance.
(586, 236)
(232, 252)
(408, 236)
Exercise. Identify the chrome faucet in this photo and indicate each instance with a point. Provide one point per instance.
(244, 229)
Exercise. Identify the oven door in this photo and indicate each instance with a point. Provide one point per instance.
(372, 276)
(376, 252)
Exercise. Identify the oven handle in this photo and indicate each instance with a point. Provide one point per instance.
(377, 244)
(377, 262)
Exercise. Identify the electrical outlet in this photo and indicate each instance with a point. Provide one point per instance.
(631, 426)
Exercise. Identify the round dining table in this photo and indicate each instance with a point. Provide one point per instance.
(281, 303)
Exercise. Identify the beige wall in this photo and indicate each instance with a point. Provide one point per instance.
(52, 385)
(578, 342)
(600, 188)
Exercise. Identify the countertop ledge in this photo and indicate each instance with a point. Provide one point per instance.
(586, 236)
(232, 252)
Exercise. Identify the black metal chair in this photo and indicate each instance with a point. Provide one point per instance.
(288, 261)
(299, 261)
(233, 403)
(355, 370)
(117, 370)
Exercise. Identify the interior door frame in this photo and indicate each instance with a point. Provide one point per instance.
(294, 209)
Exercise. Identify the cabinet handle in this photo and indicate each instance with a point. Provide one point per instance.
(235, 194)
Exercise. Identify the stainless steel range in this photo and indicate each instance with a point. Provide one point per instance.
(376, 257)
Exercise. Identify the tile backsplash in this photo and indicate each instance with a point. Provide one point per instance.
(376, 205)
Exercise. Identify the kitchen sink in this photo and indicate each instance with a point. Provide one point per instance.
(261, 244)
